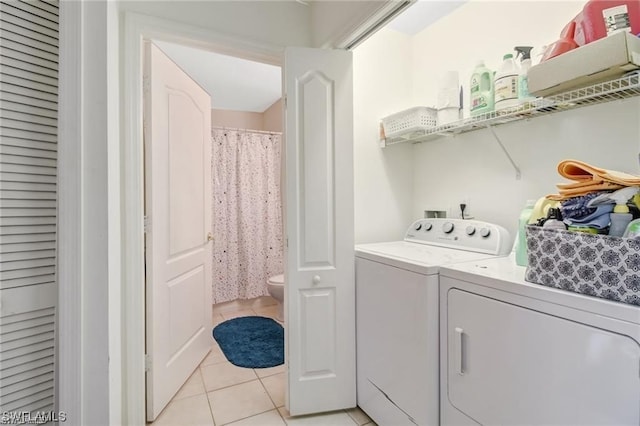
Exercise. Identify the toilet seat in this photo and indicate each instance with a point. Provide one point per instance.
(275, 286)
(277, 280)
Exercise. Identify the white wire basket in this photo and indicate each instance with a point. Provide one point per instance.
(410, 120)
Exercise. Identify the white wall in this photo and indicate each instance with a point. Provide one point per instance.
(472, 167)
(483, 30)
(383, 177)
(389, 76)
(281, 23)
(272, 117)
(332, 21)
(90, 351)
(270, 120)
(238, 119)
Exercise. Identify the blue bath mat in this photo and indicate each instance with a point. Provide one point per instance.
(251, 342)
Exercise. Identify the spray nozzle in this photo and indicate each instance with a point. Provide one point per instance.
(619, 198)
(525, 51)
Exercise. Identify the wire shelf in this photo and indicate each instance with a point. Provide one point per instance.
(621, 88)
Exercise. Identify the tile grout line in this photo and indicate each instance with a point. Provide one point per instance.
(213, 419)
(268, 394)
(248, 417)
(230, 386)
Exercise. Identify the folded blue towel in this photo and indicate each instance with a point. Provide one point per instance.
(577, 206)
(599, 218)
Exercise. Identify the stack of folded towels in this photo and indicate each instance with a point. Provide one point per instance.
(588, 202)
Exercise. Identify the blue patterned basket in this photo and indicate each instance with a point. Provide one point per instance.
(594, 265)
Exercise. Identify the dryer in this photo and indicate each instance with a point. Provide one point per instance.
(397, 320)
(513, 352)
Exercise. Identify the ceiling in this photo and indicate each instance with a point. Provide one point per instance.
(233, 83)
(242, 85)
(422, 14)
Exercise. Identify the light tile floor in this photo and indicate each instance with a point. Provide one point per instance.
(219, 393)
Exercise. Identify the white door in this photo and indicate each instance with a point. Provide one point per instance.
(178, 210)
(320, 294)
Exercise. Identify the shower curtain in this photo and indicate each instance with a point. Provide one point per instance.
(247, 212)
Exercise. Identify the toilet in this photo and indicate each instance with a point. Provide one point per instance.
(275, 286)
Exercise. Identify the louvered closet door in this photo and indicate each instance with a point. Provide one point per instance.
(28, 136)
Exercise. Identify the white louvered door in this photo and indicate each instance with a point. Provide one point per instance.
(28, 146)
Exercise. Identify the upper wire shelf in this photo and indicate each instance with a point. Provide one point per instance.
(621, 88)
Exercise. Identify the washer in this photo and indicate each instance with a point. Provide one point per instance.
(514, 352)
(397, 314)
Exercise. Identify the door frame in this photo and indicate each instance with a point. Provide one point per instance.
(137, 29)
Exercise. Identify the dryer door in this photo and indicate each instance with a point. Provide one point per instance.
(510, 365)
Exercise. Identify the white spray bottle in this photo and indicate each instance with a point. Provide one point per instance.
(523, 75)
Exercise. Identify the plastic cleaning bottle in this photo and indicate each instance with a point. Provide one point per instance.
(633, 229)
(521, 244)
(620, 218)
(523, 75)
(554, 220)
(481, 96)
(506, 84)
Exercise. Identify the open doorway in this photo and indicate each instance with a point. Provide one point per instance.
(247, 124)
(320, 334)
(242, 217)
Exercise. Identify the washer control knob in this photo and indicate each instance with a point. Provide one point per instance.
(447, 227)
(485, 232)
(418, 226)
(471, 230)
(428, 226)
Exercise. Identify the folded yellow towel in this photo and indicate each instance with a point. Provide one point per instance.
(580, 171)
(588, 178)
(565, 194)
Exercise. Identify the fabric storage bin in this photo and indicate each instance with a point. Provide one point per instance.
(594, 265)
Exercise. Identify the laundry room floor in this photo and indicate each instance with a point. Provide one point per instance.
(219, 393)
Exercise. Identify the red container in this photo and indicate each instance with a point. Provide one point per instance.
(600, 18)
(565, 44)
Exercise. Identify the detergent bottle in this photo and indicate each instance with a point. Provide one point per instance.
(621, 216)
(506, 84)
(521, 239)
(523, 75)
(481, 96)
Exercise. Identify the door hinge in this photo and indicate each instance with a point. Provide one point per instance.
(147, 362)
(285, 101)
(147, 224)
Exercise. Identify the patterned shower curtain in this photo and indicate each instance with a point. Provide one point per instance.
(247, 213)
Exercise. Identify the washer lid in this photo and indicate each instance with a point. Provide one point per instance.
(420, 258)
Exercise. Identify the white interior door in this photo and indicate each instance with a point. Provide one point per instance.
(178, 210)
(320, 293)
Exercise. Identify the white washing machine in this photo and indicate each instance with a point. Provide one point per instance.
(397, 314)
(517, 353)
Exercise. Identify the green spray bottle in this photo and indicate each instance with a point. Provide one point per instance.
(523, 75)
